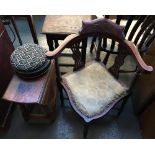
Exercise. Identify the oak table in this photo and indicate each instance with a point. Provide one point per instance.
(57, 27)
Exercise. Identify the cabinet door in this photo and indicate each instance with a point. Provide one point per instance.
(6, 48)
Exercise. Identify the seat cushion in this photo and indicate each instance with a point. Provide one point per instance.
(29, 59)
(93, 89)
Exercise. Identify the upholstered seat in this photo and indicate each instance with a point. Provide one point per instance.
(29, 60)
(94, 89)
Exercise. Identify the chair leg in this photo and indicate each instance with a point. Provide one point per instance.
(32, 29)
(92, 44)
(85, 130)
(16, 30)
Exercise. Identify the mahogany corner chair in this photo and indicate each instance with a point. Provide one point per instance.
(93, 90)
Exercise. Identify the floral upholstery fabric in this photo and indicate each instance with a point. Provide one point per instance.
(93, 88)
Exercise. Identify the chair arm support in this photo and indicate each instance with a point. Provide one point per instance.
(61, 47)
(134, 51)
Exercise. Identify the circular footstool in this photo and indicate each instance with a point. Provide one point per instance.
(29, 60)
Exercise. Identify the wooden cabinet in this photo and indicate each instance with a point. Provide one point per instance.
(6, 48)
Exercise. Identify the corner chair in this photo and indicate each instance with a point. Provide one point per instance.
(93, 90)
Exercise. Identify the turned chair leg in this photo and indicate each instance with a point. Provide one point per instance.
(85, 130)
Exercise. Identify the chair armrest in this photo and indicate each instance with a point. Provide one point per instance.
(61, 47)
(134, 51)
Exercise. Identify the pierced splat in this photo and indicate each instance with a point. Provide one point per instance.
(77, 56)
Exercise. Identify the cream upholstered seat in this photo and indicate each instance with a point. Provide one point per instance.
(93, 89)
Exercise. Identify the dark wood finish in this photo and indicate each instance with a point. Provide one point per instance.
(25, 91)
(142, 38)
(30, 23)
(6, 48)
(147, 122)
(16, 29)
(101, 28)
(32, 28)
(34, 93)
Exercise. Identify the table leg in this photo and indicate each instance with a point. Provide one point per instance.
(50, 42)
(56, 43)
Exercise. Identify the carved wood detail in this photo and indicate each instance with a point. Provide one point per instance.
(77, 55)
(104, 26)
(119, 61)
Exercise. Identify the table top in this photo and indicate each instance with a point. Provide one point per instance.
(27, 91)
(58, 24)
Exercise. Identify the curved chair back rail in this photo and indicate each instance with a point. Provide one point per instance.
(138, 29)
